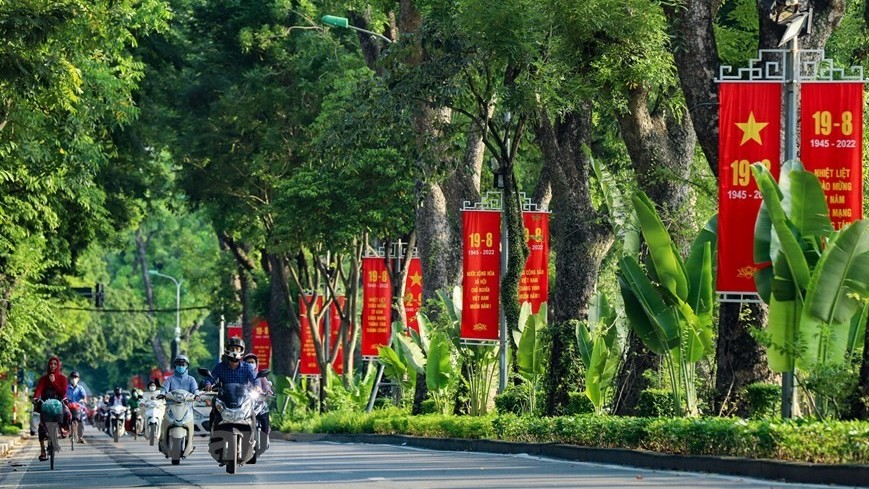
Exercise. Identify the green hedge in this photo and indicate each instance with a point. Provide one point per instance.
(832, 442)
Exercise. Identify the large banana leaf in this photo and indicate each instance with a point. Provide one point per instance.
(600, 311)
(858, 328)
(666, 261)
(835, 294)
(439, 366)
(808, 206)
(528, 355)
(421, 336)
(594, 380)
(393, 366)
(654, 322)
(584, 342)
(624, 218)
(524, 314)
(763, 233)
(411, 351)
(701, 295)
(783, 227)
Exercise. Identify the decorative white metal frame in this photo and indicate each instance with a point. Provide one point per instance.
(769, 67)
(740, 297)
(491, 201)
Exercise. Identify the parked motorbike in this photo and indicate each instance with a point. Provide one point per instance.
(151, 413)
(233, 432)
(119, 416)
(176, 441)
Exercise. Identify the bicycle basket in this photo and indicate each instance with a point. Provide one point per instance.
(52, 411)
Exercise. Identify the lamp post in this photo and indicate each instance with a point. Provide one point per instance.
(177, 344)
(342, 22)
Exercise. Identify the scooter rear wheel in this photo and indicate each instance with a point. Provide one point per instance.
(175, 450)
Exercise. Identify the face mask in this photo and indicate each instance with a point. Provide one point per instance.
(180, 369)
(74, 381)
(152, 388)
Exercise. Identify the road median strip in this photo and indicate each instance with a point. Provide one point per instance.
(806, 473)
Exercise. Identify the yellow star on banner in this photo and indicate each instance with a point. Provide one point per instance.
(416, 279)
(751, 129)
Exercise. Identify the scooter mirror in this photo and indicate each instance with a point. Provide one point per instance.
(263, 373)
(204, 372)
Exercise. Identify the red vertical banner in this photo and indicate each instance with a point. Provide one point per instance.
(481, 274)
(831, 145)
(262, 343)
(413, 293)
(749, 126)
(376, 311)
(534, 283)
(233, 331)
(308, 356)
(334, 329)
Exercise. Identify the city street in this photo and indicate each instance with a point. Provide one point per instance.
(102, 463)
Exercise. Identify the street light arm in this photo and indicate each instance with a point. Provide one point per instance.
(336, 21)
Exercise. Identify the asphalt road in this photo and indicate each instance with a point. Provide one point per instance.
(104, 464)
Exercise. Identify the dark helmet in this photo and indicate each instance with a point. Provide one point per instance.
(230, 352)
(74, 374)
(117, 391)
(181, 359)
(251, 356)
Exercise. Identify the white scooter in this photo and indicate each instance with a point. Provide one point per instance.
(117, 423)
(151, 412)
(176, 441)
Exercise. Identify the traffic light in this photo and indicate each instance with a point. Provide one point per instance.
(100, 296)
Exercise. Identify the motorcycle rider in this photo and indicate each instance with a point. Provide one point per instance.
(52, 385)
(116, 399)
(76, 393)
(231, 370)
(135, 399)
(265, 388)
(179, 380)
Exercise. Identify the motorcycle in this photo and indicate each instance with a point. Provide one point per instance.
(151, 413)
(261, 439)
(176, 441)
(233, 432)
(119, 416)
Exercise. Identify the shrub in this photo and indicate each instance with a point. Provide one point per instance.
(429, 406)
(578, 403)
(763, 400)
(655, 403)
(11, 429)
(7, 402)
(515, 399)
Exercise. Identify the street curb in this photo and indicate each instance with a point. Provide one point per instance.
(7, 446)
(806, 473)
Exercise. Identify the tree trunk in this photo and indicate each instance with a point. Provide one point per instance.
(581, 238)
(142, 258)
(283, 326)
(661, 148)
(740, 361)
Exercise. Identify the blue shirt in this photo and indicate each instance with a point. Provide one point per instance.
(184, 382)
(75, 394)
(244, 374)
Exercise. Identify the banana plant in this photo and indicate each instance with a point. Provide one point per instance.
(530, 361)
(670, 304)
(817, 286)
(599, 349)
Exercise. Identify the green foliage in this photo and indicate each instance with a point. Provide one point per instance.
(832, 386)
(763, 400)
(515, 399)
(830, 442)
(669, 305)
(599, 348)
(530, 359)
(817, 284)
(579, 403)
(655, 403)
(7, 401)
(354, 395)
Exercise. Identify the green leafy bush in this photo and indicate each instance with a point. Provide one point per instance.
(578, 403)
(830, 442)
(11, 429)
(7, 402)
(654, 403)
(429, 406)
(515, 399)
(763, 400)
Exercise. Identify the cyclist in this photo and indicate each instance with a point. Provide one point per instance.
(76, 393)
(52, 385)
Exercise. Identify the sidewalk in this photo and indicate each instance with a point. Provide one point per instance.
(7, 442)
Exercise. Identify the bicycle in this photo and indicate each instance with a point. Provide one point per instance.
(76, 430)
(51, 414)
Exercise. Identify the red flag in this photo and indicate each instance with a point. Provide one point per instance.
(482, 274)
(534, 283)
(376, 310)
(413, 293)
(831, 145)
(233, 331)
(308, 355)
(262, 343)
(334, 329)
(749, 127)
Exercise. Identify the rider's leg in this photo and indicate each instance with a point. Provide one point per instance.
(164, 429)
(43, 435)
